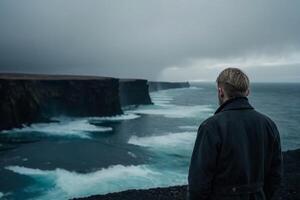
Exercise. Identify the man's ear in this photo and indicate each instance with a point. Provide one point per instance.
(247, 93)
(221, 92)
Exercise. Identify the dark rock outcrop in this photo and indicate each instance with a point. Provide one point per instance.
(26, 98)
(134, 92)
(169, 193)
(290, 189)
(157, 85)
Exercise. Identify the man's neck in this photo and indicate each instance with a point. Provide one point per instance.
(227, 99)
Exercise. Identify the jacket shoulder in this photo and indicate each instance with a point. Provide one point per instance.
(268, 123)
(267, 119)
(209, 123)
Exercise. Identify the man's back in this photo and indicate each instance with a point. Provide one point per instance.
(237, 155)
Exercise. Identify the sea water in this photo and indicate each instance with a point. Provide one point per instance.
(149, 146)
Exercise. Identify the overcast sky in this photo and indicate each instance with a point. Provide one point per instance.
(153, 39)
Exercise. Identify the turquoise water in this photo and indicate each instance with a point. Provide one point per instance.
(148, 146)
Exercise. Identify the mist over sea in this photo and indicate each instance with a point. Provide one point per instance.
(149, 146)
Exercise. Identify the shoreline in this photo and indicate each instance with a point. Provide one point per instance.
(290, 189)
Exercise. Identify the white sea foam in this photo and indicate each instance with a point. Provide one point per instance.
(195, 88)
(174, 111)
(162, 97)
(189, 127)
(27, 171)
(125, 116)
(1, 195)
(73, 127)
(163, 106)
(66, 184)
(131, 154)
(182, 141)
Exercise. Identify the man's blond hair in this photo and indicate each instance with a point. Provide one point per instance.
(234, 81)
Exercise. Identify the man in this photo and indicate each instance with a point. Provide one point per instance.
(237, 153)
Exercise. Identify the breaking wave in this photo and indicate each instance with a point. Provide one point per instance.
(67, 127)
(174, 111)
(65, 184)
(170, 140)
(125, 116)
(189, 127)
(171, 144)
(163, 106)
(71, 127)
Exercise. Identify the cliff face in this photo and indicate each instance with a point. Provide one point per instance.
(154, 85)
(19, 103)
(81, 97)
(24, 100)
(29, 98)
(134, 92)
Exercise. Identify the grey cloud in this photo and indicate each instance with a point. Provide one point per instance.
(137, 38)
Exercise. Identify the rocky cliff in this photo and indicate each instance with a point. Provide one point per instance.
(25, 99)
(156, 85)
(134, 92)
(290, 189)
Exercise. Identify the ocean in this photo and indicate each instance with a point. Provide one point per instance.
(148, 146)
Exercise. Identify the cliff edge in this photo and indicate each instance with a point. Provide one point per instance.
(26, 98)
(134, 92)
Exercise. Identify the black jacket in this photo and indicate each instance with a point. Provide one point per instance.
(237, 155)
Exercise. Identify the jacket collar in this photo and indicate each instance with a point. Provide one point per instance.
(237, 103)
